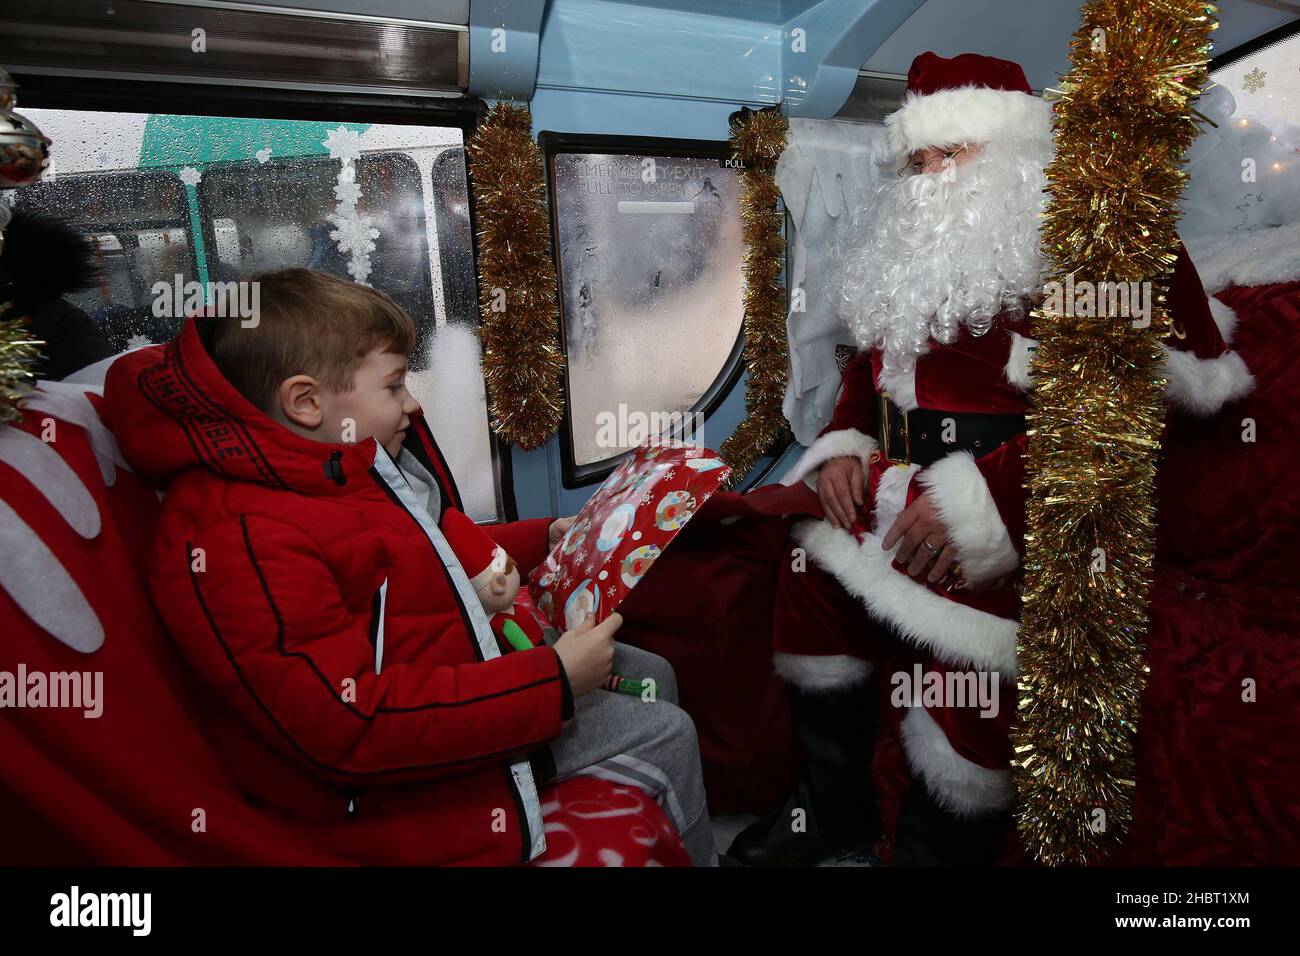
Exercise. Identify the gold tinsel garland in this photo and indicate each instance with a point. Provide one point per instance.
(1122, 124)
(522, 362)
(18, 350)
(757, 140)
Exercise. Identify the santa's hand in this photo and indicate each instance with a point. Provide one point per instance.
(924, 540)
(587, 653)
(559, 527)
(839, 486)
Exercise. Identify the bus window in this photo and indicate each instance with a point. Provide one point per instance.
(451, 211)
(649, 250)
(139, 225)
(274, 215)
(216, 199)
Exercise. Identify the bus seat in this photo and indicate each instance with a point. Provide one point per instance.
(127, 777)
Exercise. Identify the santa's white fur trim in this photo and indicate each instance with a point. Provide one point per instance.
(1017, 370)
(1202, 386)
(1247, 258)
(969, 114)
(975, 527)
(959, 635)
(1225, 318)
(1196, 385)
(821, 672)
(837, 444)
(900, 387)
(957, 784)
(891, 496)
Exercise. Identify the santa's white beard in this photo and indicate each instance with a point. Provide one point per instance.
(929, 253)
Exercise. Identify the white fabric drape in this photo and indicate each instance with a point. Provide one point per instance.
(824, 174)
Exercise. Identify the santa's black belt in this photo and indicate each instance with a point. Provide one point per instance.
(924, 435)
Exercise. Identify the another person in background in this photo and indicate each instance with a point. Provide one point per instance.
(42, 260)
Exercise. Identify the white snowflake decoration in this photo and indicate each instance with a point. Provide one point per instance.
(347, 192)
(344, 144)
(190, 176)
(138, 342)
(354, 234)
(359, 269)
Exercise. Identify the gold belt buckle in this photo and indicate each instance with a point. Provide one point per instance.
(907, 434)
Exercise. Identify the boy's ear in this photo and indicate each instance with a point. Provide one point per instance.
(299, 400)
(499, 583)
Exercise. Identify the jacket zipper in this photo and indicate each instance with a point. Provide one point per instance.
(519, 776)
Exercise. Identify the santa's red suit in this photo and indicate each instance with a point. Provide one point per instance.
(949, 425)
(980, 495)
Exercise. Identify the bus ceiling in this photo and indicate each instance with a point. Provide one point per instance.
(819, 59)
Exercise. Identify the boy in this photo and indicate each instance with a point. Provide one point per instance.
(299, 565)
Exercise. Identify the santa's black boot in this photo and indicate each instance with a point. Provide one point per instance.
(832, 809)
(928, 834)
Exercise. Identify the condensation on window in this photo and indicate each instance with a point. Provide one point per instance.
(1266, 87)
(650, 275)
(1245, 165)
(170, 200)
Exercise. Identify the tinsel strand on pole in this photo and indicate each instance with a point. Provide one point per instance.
(18, 350)
(758, 139)
(1122, 124)
(522, 362)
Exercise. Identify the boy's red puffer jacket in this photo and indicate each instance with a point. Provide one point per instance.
(350, 674)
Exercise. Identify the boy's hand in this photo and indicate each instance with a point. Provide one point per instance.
(559, 527)
(587, 653)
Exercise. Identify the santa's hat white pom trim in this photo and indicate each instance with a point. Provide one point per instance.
(969, 114)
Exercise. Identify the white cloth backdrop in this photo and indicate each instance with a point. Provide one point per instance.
(824, 174)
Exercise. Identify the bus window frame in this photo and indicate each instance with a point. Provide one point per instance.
(552, 144)
(1265, 40)
(52, 91)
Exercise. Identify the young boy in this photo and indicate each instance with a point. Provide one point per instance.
(352, 679)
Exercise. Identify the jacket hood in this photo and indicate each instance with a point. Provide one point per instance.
(171, 409)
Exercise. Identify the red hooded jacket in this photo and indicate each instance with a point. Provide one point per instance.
(348, 669)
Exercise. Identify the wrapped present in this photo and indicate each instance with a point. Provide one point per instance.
(622, 530)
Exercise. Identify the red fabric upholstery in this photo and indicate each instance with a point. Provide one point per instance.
(145, 783)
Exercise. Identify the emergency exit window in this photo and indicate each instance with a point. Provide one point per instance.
(649, 257)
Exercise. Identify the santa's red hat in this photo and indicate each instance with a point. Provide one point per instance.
(479, 555)
(966, 99)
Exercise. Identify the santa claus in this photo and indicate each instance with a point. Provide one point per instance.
(919, 475)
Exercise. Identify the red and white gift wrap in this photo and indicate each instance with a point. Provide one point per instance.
(623, 528)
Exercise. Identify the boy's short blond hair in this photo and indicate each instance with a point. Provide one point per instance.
(309, 323)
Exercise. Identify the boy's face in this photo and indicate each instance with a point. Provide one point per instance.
(377, 406)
